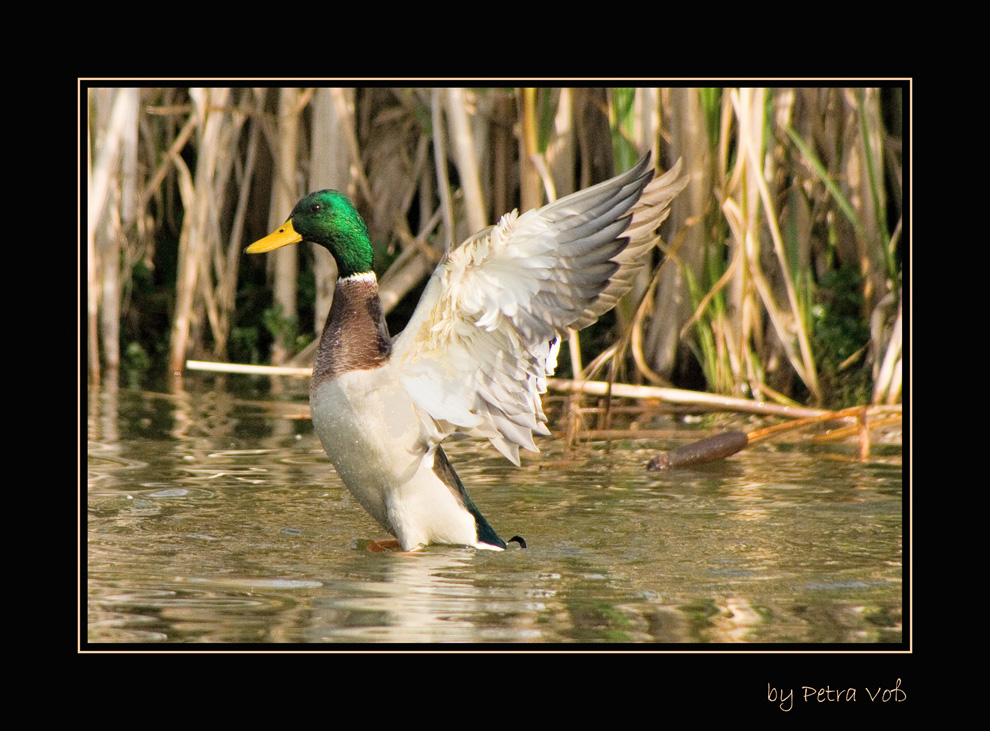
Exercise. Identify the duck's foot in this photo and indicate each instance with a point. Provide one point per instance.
(382, 546)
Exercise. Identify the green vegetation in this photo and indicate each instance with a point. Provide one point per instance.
(780, 277)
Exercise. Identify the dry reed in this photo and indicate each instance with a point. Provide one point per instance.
(788, 187)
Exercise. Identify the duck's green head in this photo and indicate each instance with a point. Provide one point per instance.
(326, 218)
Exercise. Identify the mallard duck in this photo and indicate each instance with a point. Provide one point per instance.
(477, 350)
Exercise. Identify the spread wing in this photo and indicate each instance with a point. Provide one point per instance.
(477, 350)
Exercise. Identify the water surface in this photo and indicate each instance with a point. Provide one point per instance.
(215, 518)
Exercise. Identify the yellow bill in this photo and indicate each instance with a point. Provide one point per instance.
(283, 236)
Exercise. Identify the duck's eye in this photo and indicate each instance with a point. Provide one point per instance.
(315, 208)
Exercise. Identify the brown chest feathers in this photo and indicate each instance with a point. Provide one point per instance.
(355, 336)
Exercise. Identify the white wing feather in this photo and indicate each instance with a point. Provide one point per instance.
(476, 353)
